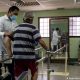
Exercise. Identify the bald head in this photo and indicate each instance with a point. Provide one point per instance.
(28, 17)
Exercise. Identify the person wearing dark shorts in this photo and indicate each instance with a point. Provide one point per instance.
(24, 65)
(25, 37)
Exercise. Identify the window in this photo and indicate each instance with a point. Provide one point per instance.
(44, 27)
(74, 26)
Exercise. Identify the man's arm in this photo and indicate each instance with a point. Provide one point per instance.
(37, 37)
(1, 27)
(43, 44)
(2, 32)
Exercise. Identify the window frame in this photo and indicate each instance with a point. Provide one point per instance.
(73, 35)
(39, 25)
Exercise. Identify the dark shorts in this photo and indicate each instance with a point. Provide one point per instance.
(23, 65)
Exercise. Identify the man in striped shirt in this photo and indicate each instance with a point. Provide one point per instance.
(25, 37)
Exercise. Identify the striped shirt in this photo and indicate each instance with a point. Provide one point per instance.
(25, 36)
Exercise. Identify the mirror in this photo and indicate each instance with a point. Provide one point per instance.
(58, 34)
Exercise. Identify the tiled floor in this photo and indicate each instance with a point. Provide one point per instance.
(74, 72)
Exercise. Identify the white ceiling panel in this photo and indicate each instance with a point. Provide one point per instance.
(39, 4)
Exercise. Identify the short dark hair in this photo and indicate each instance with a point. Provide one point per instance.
(13, 8)
(57, 29)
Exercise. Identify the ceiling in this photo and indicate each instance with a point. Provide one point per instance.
(33, 5)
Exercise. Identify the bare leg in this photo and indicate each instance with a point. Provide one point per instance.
(7, 44)
(35, 76)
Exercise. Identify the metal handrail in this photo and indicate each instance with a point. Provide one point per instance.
(43, 58)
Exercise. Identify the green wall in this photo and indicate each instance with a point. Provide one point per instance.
(62, 24)
(74, 46)
(52, 13)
